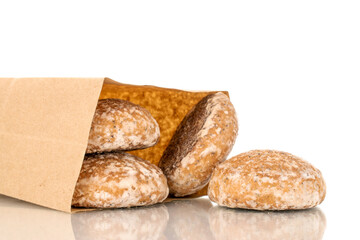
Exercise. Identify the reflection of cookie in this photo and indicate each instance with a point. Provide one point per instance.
(229, 224)
(121, 125)
(267, 180)
(189, 219)
(203, 139)
(114, 180)
(135, 223)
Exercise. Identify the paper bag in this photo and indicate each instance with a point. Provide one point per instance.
(45, 124)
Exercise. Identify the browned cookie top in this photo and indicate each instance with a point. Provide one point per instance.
(203, 139)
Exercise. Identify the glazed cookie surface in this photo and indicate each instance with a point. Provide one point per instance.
(121, 125)
(115, 180)
(267, 180)
(203, 139)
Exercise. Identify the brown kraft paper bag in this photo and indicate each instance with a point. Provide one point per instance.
(44, 128)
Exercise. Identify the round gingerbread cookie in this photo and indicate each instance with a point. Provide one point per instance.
(266, 180)
(203, 139)
(121, 125)
(116, 180)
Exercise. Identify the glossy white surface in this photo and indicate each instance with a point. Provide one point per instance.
(291, 68)
(185, 219)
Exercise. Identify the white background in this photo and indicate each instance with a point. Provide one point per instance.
(291, 68)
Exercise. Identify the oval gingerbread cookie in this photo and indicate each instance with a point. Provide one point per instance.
(116, 180)
(203, 139)
(267, 180)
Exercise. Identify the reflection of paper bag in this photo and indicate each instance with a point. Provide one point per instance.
(44, 127)
(21, 220)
